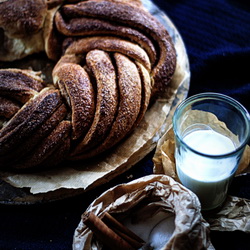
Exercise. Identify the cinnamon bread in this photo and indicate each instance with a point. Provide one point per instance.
(112, 57)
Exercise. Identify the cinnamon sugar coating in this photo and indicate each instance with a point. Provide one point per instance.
(112, 58)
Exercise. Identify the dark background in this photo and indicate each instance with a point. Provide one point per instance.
(217, 39)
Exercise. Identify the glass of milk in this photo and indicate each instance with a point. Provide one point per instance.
(211, 132)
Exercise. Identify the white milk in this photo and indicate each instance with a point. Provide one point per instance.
(208, 177)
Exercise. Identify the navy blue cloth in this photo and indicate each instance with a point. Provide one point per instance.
(217, 37)
(216, 34)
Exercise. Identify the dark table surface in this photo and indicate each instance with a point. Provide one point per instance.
(217, 39)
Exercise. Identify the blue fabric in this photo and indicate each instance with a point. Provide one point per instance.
(217, 37)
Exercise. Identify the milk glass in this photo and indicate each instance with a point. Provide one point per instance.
(211, 132)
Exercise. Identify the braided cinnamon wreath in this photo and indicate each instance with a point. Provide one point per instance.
(111, 59)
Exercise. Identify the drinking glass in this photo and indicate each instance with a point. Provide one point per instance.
(211, 132)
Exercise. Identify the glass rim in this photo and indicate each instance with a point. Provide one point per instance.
(219, 97)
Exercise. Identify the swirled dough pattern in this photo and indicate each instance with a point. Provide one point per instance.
(112, 59)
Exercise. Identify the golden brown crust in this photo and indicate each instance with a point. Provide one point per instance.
(21, 28)
(146, 92)
(129, 105)
(92, 26)
(139, 19)
(25, 148)
(25, 84)
(31, 123)
(52, 40)
(110, 44)
(34, 112)
(115, 57)
(26, 27)
(103, 72)
(75, 86)
(20, 22)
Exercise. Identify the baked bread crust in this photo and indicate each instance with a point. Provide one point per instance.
(140, 20)
(27, 131)
(101, 67)
(112, 59)
(26, 27)
(21, 29)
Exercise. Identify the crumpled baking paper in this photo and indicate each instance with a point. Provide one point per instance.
(141, 199)
(235, 213)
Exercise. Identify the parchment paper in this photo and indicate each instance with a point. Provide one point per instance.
(143, 198)
(72, 177)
